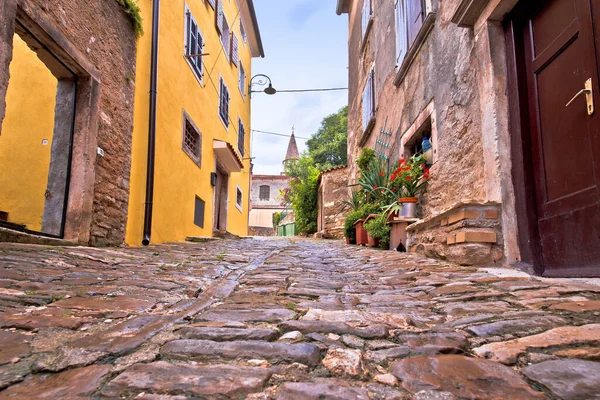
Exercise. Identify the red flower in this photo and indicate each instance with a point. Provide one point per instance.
(408, 178)
(401, 161)
(375, 187)
(381, 173)
(426, 173)
(394, 190)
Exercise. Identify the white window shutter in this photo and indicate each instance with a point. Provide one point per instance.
(212, 3)
(219, 15)
(401, 32)
(235, 58)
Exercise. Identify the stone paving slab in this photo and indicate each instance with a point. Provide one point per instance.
(287, 319)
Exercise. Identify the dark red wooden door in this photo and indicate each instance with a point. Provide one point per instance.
(560, 56)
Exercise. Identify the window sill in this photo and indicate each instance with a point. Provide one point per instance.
(367, 132)
(195, 159)
(468, 12)
(414, 49)
(363, 43)
(189, 63)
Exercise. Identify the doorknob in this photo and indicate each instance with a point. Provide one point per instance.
(589, 96)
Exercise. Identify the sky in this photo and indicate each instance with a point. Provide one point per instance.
(306, 47)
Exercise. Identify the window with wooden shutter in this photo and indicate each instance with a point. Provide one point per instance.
(226, 39)
(235, 56)
(367, 14)
(219, 15)
(415, 12)
(212, 3)
(242, 80)
(264, 192)
(223, 102)
(368, 101)
(194, 46)
(401, 32)
(241, 137)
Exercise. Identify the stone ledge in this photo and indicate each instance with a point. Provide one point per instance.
(9, 235)
(445, 215)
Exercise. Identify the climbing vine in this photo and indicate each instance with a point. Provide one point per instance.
(132, 8)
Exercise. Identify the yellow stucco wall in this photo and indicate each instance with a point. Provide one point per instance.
(24, 160)
(178, 180)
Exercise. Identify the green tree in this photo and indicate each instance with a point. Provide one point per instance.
(303, 193)
(328, 147)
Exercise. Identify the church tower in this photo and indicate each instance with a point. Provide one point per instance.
(292, 151)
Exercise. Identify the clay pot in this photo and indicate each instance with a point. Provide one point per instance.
(361, 232)
(408, 200)
(350, 240)
(372, 242)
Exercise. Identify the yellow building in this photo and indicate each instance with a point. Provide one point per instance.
(200, 182)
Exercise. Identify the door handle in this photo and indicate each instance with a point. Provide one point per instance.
(589, 96)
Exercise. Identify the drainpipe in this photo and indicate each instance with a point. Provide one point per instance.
(151, 126)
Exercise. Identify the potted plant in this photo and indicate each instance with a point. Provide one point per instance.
(349, 229)
(379, 231)
(407, 180)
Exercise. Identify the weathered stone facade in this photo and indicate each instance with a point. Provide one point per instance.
(263, 208)
(452, 85)
(95, 40)
(333, 190)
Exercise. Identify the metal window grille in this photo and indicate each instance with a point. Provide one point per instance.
(239, 197)
(192, 141)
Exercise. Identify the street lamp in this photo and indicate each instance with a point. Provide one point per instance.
(262, 81)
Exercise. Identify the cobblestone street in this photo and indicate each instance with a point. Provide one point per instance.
(287, 319)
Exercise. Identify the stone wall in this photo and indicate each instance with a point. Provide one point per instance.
(275, 182)
(469, 233)
(333, 190)
(456, 83)
(261, 231)
(101, 35)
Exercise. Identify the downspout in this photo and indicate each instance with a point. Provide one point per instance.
(151, 126)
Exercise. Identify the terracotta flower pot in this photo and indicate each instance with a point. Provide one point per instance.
(350, 240)
(408, 200)
(372, 242)
(361, 232)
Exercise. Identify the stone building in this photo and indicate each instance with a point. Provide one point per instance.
(266, 194)
(514, 179)
(333, 190)
(66, 115)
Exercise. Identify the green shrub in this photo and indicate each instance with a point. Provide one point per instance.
(132, 8)
(351, 218)
(276, 219)
(366, 158)
(378, 229)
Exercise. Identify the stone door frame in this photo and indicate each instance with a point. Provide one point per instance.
(78, 216)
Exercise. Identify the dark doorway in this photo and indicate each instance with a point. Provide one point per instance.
(553, 59)
(221, 200)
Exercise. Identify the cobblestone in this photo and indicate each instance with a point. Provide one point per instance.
(287, 319)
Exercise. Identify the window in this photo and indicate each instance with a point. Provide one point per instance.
(264, 192)
(241, 137)
(409, 20)
(235, 52)
(223, 102)
(194, 45)
(243, 32)
(238, 198)
(212, 3)
(225, 37)
(368, 103)
(367, 17)
(242, 80)
(192, 140)
(199, 207)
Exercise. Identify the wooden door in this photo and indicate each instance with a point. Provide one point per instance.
(559, 57)
(221, 198)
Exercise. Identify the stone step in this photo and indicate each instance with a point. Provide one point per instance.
(163, 378)
(210, 351)
(228, 334)
(337, 327)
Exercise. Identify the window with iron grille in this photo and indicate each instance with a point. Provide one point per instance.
(264, 192)
(223, 102)
(241, 137)
(368, 102)
(194, 45)
(239, 198)
(192, 141)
